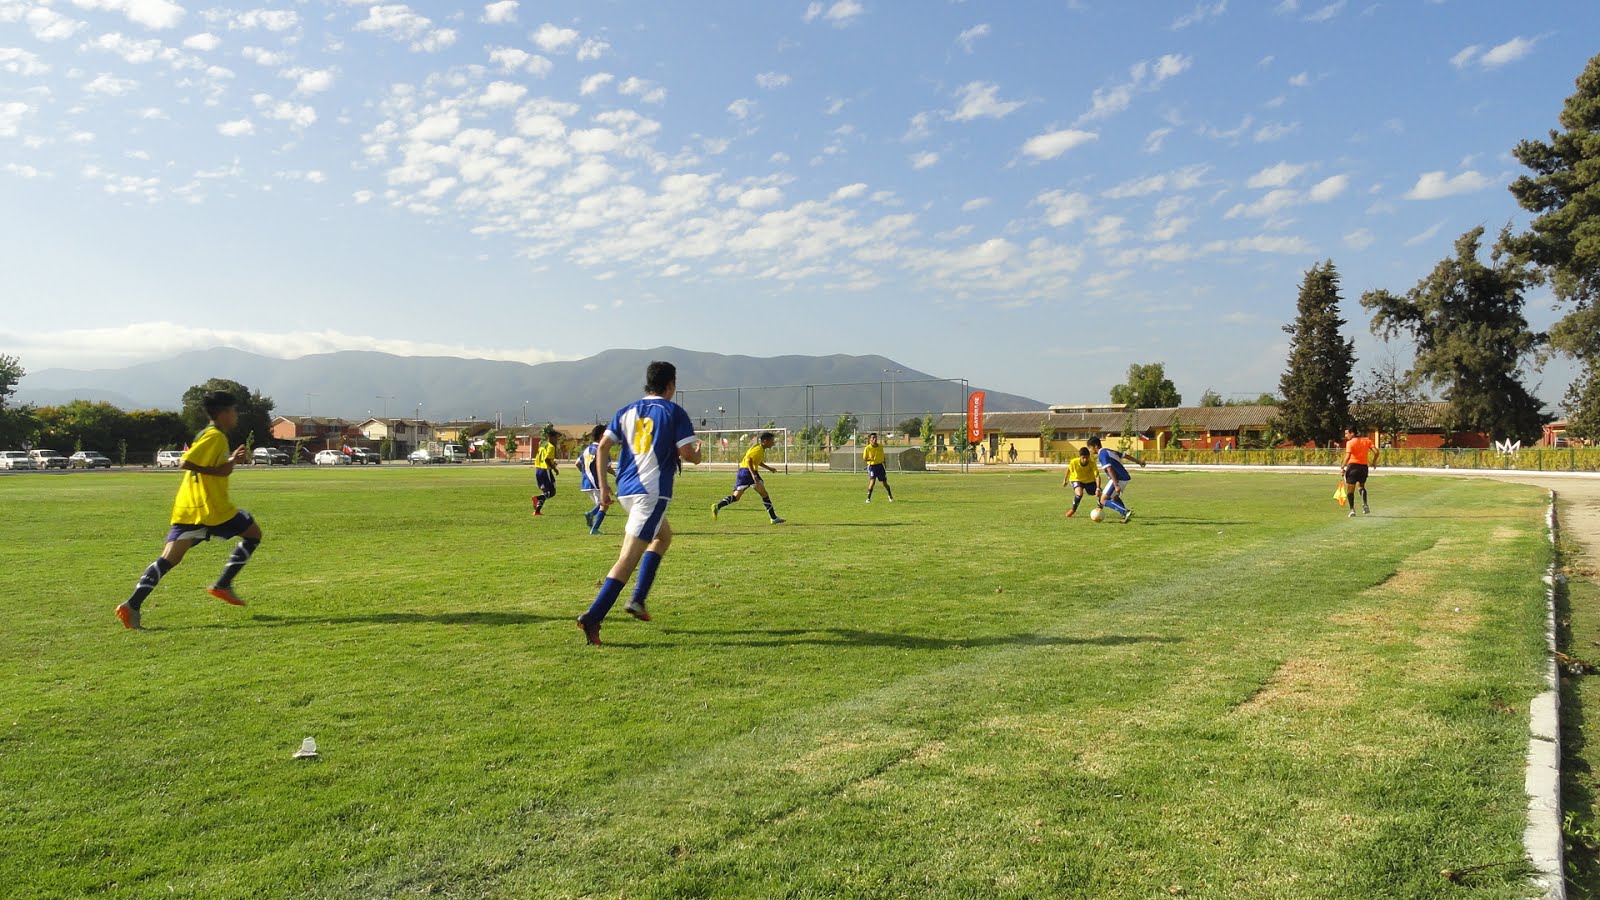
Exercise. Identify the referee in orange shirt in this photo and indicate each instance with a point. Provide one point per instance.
(1358, 455)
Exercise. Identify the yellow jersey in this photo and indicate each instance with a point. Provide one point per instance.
(203, 499)
(754, 458)
(1082, 468)
(872, 455)
(545, 458)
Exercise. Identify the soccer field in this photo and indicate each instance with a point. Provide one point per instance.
(1242, 693)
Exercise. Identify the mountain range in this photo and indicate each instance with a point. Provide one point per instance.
(358, 384)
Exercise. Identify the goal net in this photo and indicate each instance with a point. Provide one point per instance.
(726, 446)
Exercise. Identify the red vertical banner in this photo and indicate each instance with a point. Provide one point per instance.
(975, 417)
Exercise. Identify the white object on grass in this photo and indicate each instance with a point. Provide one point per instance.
(308, 749)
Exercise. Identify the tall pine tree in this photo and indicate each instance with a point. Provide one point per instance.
(1564, 240)
(1471, 338)
(1316, 385)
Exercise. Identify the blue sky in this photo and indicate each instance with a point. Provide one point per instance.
(1031, 195)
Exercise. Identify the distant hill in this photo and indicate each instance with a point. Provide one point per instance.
(352, 384)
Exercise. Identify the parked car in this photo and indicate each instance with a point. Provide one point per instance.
(169, 459)
(16, 459)
(424, 457)
(48, 459)
(270, 456)
(331, 458)
(362, 456)
(88, 459)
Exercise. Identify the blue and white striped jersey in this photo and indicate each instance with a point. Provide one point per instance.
(649, 431)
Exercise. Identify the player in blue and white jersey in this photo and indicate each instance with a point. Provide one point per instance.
(588, 482)
(1110, 462)
(656, 437)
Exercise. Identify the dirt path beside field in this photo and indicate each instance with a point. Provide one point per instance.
(1577, 514)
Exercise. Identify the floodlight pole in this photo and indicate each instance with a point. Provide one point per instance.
(892, 373)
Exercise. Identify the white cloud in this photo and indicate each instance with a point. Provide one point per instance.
(269, 19)
(924, 159)
(978, 100)
(49, 25)
(849, 192)
(772, 80)
(967, 37)
(1465, 56)
(1155, 139)
(1425, 236)
(203, 41)
(297, 115)
(838, 14)
(918, 127)
(236, 128)
(157, 340)
(264, 57)
(647, 91)
(1202, 12)
(11, 117)
(1062, 208)
(1144, 76)
(1326, 13)
(156, 14)
(362, 197)
(599, 80)
(1509, 52)
(1283, 244)
(1107, 231)
(25, 171)
(741, 108)
(1360, 239)
(757, 198)
(398, 22)
(500, 12)
(592, 48)
(1276, 176)
(311, 81)
(1185, 179)
(437, 127)
(1274, 131)
(552, 39)
(1300, 79)
(1052, 144)
(17, 61)
(107, 85)
(501, 93)
(1328, 188)
(1434, 185)
(1269, 204)
(510, 59)
(975, 204)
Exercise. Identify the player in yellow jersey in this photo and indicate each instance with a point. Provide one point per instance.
(749, 476)
(872, 457)
(544, 470)
(202, 509)
(1083, 476)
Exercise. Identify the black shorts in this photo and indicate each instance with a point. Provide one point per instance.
(239, 524)
(1355, 473)
(545, 479)
(1089, 486)
(876, 470)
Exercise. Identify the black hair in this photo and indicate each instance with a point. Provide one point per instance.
(1083, 451)
(659, 376)
(214, 402)
(871, 434)
(767, 436)
(597, 432)
(1094, 441)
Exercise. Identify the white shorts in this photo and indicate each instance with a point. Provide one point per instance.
(594, 494)
(1113, 489)
(647, 513)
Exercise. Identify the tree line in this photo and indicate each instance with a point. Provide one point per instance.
(1470, 341)
(122, 435)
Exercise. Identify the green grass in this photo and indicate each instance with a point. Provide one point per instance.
(1240, 694)
(1579, 634)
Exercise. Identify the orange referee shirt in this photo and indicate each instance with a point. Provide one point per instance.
(1358, 450)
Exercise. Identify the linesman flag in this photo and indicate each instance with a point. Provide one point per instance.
(975, 417)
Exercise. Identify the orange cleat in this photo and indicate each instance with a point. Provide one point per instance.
(226, 595)
(129, 617)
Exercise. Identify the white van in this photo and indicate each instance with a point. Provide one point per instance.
(169, 459)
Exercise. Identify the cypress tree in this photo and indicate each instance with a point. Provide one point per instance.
(1315, 387)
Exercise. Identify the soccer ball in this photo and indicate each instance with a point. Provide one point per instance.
(1096, 514)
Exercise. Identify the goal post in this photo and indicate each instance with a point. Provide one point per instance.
(726, 446)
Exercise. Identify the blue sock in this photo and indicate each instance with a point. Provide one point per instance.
(599, 516)
(1116, 504)
(610, 590)
(648, 564)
